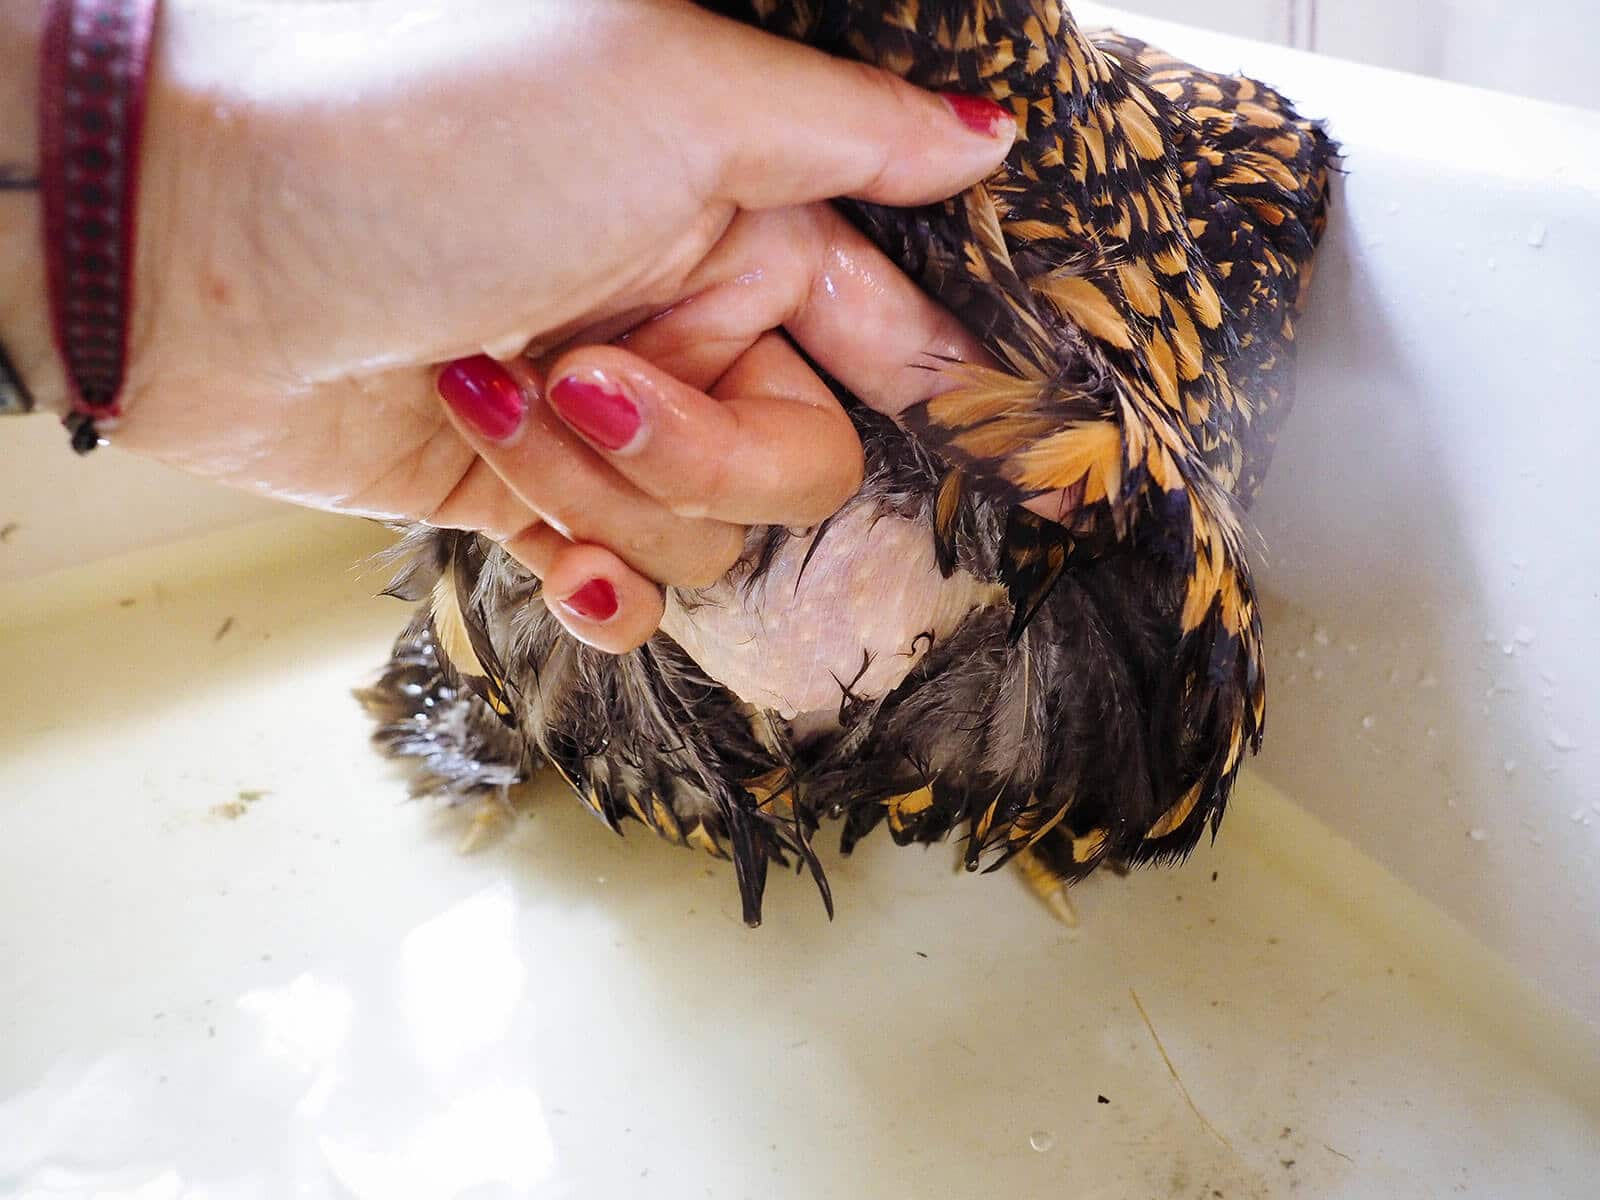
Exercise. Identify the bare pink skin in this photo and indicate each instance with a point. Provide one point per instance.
(871, 589)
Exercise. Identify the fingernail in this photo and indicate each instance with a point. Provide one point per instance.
(594, 601)
(596, 408)
(484, 394)
(978, 114)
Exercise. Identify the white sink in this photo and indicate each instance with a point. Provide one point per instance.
(242, 964)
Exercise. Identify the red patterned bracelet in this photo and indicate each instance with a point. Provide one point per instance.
(95, 56)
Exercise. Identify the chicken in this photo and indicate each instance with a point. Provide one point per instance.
(936, 657)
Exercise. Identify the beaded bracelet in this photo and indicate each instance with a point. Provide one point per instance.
(94, 61)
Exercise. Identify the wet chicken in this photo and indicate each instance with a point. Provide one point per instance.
(935, 657)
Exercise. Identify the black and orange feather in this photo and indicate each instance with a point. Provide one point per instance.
(1135, 268)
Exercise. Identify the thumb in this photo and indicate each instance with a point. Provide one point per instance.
(813, 127)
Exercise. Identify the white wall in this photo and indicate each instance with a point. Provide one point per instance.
(1263, 20)
(1543, 49)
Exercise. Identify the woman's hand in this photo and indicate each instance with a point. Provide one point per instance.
(705, 411)
(341, 201)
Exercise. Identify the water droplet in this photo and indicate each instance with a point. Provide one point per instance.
(1523, 636)
(1300, 652)
(1394, 675)
(1561, 739)
(1394, 207)
(1577, 816)
(1351, 647)
(1510, 766)
(1493, 265)
(1369, 722)
(1428, 680)
(1479, 835)
(1319, 635)
(1041, 1141)
(1318, 674)
(1537, 234)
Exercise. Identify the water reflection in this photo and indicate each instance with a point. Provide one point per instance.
(461, 979)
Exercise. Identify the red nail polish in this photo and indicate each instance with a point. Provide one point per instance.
(594, 601)
(978, 114)
(484, 394)
(597, 409)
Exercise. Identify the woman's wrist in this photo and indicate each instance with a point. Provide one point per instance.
(24, 306)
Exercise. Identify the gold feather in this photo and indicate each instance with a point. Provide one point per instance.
(1090, 451)
(463, 642)
(1088, 307)
(450, 629)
